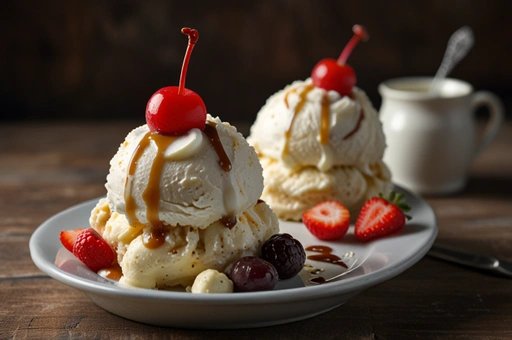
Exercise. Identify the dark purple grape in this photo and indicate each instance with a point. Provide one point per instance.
(285, 253)
(251, 274)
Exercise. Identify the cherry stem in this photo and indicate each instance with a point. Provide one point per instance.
(193, 35)
(359, 33)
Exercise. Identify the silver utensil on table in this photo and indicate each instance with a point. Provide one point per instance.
(478, 261)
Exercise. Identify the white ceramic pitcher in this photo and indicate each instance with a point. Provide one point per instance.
(432, 140)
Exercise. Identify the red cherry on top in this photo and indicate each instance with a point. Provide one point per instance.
(336, 75)
(174, 110)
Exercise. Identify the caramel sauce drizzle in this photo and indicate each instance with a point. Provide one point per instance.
(151, 194)
(325, 120)
(325, 117)
(114, 273)
(296, 110)
(128, 198)
(156, 237)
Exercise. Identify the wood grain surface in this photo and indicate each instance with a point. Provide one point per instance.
(45, 168)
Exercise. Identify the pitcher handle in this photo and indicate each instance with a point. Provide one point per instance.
(496, 116)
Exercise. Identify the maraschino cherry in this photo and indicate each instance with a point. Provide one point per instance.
(336, 75)
(174, 110)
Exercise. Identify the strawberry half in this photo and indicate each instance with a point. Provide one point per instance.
(328, 220)
(93, 250)
(380, 217)
(68, 237)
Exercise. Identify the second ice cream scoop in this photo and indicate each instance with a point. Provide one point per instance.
(305, 125)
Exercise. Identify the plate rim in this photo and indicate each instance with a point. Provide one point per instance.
(348, 285)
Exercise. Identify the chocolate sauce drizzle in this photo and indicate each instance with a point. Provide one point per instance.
(325, 255)
(356, 128)
(228, 221)
(210, 129)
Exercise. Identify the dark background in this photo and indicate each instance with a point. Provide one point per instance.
(70, 60)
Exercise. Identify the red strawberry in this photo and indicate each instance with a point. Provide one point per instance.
(93, 250)
(68, 237)
(328, 220)
(380, 217)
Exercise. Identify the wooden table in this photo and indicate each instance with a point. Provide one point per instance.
(47, 167)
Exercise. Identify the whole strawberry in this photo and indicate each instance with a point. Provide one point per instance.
(328, 220)
(93, 250)
(380, 217)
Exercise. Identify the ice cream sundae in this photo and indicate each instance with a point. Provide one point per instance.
(183, 198)
(320, 139)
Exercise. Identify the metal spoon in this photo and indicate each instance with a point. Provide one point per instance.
(477, 261)
(458, 47)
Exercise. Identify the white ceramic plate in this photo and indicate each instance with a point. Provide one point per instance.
(292, 300)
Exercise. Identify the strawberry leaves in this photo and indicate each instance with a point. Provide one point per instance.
(398, 200)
